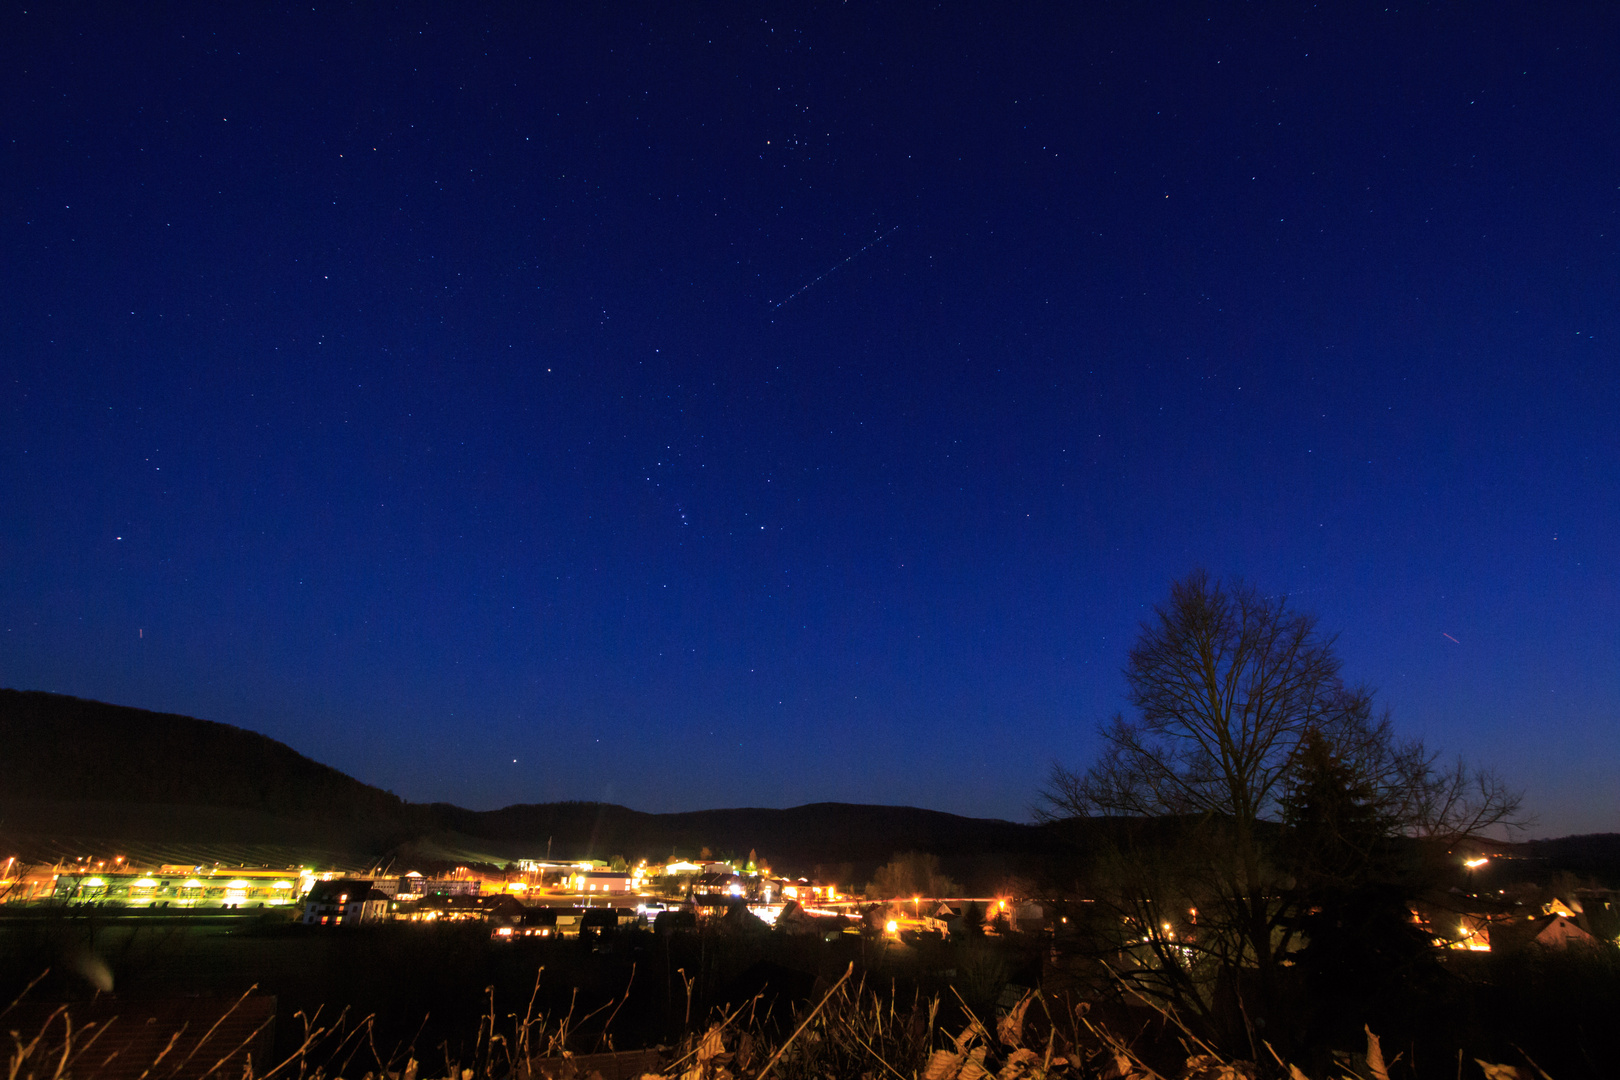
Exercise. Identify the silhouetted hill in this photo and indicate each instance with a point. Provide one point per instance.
(1590, 855)
(81, 773)
(66, 749)
(85, 771)
(810, 834)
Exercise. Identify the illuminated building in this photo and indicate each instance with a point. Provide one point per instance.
(182, 886)
(599, 881)
(344, 902)
(415, 887)
(499, 908)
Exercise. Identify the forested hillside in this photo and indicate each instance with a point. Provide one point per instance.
(95, 770)
(60, 748)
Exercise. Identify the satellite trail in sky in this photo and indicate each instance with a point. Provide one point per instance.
(833, 267)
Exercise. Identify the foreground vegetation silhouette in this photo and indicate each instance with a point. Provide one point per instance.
(1254, 830)
(848, 1031)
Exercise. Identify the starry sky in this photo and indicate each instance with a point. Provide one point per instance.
(695, 406)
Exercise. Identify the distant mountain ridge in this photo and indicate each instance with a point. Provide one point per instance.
(813, 833)
(75, 772)
(91, 769)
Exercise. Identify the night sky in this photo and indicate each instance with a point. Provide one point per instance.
(697, 408)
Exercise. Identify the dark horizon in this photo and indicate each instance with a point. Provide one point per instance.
(288, 796)
(776, 405)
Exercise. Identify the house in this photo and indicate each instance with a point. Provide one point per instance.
(536, 922)
(597, 921)
(388, 886)
(806, 891)
(1600, 913)
(444, 886)
(1561, 933)
(1553, 931)
(739, 920)
(344, 902)
(580, 921)
(1570, 910)
(713, 907)
(1468, 923)
(720, 884)
(682, 868)
(600, 881)
(499, 908)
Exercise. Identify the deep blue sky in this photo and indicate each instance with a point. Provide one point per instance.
(761, 406)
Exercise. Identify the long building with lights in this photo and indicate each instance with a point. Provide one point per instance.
(185, 887)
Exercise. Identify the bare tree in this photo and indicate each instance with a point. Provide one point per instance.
(1227, 687)
(913, 873)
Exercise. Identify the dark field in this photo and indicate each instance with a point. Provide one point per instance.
(431, 983)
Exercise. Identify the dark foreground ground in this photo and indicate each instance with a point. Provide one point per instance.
(431, 985)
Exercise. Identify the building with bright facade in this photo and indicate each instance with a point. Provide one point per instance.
(184, 887)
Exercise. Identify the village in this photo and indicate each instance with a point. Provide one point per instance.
(529, 898)
(584, 898)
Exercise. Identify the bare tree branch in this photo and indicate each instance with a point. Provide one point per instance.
(1235, 697)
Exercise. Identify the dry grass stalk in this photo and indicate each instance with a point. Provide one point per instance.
(850, 1032)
